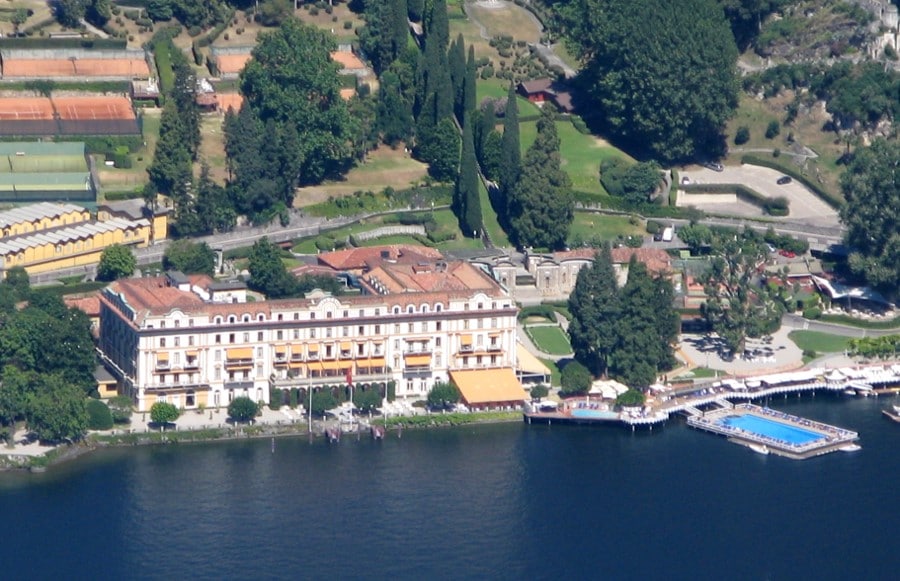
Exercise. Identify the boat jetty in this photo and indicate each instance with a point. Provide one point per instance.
(723, 395)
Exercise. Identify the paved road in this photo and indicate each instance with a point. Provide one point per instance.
(798, 322)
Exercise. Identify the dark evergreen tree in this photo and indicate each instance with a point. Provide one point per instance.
(639, 349)
(466, 200)
(511, 156)
(415, 9)
(456, 59)
(540, 205)
(444, 148)
(491, 153)
(594, 305)
(469, 91)
(394, 112)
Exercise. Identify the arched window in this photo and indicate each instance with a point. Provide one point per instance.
(438, 307)
(232, 319)
(423, 308)
(218, 320)
(245, 318)
(396, 310)
(410, 309)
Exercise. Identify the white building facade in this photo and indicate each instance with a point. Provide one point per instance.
(175, 340)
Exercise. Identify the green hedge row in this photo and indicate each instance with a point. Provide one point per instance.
(775, 207)
(827, 196)
(115, 196)
(32, 43)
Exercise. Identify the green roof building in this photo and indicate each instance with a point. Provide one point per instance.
(45, 171)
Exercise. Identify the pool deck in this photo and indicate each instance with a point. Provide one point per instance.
(832, 438)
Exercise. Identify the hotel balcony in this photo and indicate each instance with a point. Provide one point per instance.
(195, 385)
(239, 384)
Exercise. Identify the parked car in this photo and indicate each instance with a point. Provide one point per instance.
(714, 165)
(787, 253)
(784, 180)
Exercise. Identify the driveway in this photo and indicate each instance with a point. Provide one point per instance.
(805, 206)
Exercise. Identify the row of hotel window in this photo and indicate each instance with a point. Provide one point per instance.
(396, 310)
(329, 332)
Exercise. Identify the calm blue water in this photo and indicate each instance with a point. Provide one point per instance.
(502, 502)
(776, 430)
(596, 414)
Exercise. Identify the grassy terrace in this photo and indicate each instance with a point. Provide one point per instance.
(581, 154)
(819, 342)
(549, 339)
(588, 225)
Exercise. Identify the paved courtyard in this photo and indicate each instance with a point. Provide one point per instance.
(766, 355)
(805, 206)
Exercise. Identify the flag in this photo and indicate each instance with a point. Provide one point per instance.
(349, 376)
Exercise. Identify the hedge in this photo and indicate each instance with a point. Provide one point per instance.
(771, 206)
(32, 43)
(817, 189)
(114, 196)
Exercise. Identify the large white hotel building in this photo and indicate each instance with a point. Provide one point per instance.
(193, 342)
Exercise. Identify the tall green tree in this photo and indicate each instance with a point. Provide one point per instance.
(738, 305)
(57, 412)
(469, 91)
(268, 274)
(116, 261)
(456, 59)
(443, 395)
(242, 409)
(510, 156)
(871, 186)
(662, 76)
(641, 351)
(394, 112)
(467, 203)
(443, 151)
(595, 308)
(190, 257)
(541, 207)
(293, 82)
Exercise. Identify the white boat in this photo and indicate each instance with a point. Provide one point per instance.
(849, 392)
(896, 409)
(851, 448)
(758, 448)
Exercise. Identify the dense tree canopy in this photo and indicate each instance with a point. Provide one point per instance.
(575, 379)
(190, 257)
(738, 305)
(661, 74)
(116, 261)
(163, 413)
(292, 89)
(443, 395)
(242, 409)
(628, 333)
(268, 274)
(871, 186)
(541, 207)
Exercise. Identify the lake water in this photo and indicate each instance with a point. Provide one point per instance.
(504, 502)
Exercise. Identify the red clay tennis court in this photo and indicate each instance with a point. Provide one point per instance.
(25, 108)
(49, 68)
(84, 108)
(226, 100)
(230, 64)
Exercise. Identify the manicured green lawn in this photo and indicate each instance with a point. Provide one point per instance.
(588, 225)
(819, 342)
(550, 339)
(498, 89)
(555, 373)
(581, 154)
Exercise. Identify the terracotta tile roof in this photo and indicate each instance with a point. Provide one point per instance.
(536, 86)
(371, 256)
(90, 304)
(431, 277)
(578, 253)
(657, 260)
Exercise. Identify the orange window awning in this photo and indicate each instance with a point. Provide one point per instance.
(333, 365)
(418, 360)
(162, 357)
(192, 353)
(312, 348)
(374, 362)
(465, 340)
(485, 386)
(240, 353)
(346, 345)
(280, 349)
(494, 335)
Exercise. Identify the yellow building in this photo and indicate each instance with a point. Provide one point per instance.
(45, 237)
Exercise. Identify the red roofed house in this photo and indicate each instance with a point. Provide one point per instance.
(539, 91)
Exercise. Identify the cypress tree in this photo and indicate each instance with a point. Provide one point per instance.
(511, 155)
(594, 305)
(394, 113)
(469, 94)
(467, 201)
(540, 205)
(415, 9)
(443, 147)
(456, 59)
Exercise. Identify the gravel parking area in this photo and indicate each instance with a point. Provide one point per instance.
(805, 206)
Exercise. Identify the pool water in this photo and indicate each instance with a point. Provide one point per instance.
(594, 414)
(771, 429)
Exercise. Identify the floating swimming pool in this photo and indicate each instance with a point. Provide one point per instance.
(594, 414)
(771, 429)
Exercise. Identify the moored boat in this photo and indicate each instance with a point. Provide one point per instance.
(759, 448)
